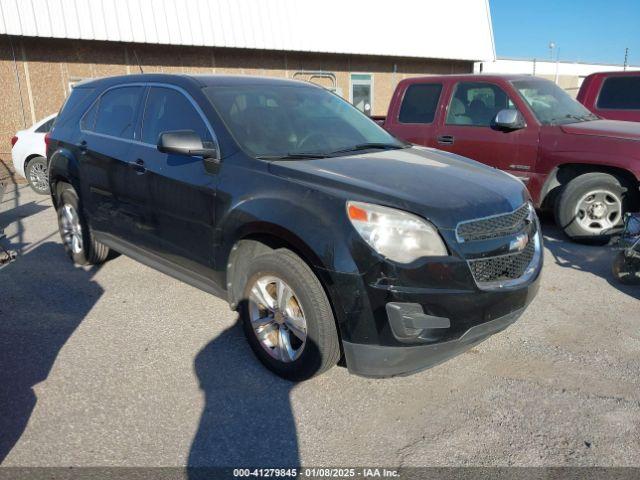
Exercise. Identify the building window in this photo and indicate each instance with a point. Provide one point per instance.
(361, 92)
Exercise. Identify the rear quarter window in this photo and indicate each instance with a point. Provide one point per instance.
(73, 104)
(620, 93)
(420, 103)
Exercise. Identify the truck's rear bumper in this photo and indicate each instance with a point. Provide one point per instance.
(388, 361)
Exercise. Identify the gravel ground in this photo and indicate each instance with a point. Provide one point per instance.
(124, 366)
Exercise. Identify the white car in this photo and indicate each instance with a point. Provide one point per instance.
(29, 154)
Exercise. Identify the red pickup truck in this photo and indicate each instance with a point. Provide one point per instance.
(613, 95)
(584, 168)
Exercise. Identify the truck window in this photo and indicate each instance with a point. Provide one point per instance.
(476, 104)
(620, 93)
(419, 103)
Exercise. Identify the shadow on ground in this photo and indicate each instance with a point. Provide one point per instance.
(247, 418)
(35, 324)
(593, 259)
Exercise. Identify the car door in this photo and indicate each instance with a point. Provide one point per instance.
(467, 129)
(182, 188)
(415, 117)
(115, 192)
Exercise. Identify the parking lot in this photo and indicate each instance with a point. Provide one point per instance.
(121, 365)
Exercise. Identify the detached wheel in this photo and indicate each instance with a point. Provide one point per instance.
(37, 173)
(591, 206)
(626, 271)
(76, 235)
(287, 318)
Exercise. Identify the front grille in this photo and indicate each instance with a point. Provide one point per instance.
(505, 267)
(493, 227)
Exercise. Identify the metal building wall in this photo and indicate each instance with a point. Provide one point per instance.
(451, 29)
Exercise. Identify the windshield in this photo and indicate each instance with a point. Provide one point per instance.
(550, 104)
(295, 121)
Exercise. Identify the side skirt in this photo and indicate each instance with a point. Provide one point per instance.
(161, 264)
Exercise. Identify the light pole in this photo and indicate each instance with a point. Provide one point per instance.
(553, 46)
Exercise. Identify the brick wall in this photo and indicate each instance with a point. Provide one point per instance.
(36, 72)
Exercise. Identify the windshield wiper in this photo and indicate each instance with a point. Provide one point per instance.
(580, 118)
(371, 145)
(291, 156)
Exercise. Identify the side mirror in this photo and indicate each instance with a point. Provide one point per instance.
(186, 142)
(508, 120)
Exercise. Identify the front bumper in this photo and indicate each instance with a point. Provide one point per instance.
(387, 361)
(391, 326)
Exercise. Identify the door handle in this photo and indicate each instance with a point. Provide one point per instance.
(445, 139)
(138, 166)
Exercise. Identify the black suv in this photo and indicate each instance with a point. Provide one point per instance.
(333, 239)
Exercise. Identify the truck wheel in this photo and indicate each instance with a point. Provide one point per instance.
(591, 206)
(287, 318)
(37, 173)
(77, 238)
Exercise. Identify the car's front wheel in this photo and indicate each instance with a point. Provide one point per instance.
(287, 317)
(37, 173)
(77, 238)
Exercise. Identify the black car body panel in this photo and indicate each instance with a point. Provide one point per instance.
(180, 216)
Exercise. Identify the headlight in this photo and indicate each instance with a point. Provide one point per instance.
(397, 235)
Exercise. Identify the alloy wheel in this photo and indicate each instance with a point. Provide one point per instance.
(39, 177)
(277, 318)
(71, 228)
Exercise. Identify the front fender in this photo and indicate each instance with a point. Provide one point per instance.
(312, 225)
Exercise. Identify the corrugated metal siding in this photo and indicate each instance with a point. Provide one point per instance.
(451, 29)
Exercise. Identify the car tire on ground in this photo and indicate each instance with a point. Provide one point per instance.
(37, 173)
(591, 207)
(77, 238)
(287, 317)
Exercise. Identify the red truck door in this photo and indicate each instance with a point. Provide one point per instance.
(465, 128)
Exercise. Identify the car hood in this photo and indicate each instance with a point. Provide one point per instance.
(441, 187)
(605, 128)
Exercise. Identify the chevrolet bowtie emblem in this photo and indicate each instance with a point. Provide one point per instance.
(519, 243)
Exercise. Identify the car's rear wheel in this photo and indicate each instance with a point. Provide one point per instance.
(287, 317)
(591, 207)
(37, 173)
(77, 238)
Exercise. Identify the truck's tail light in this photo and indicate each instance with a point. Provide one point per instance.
(47, 139)
(14, 140)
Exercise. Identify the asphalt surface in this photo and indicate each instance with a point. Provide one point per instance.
(124, 366)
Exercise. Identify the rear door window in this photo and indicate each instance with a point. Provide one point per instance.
(116, 112)
(420, 103)
(620, 93)
(168, 109)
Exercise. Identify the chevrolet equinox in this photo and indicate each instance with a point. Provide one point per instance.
(334, 240)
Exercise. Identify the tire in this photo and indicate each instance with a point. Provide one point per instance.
(37, 173)
(626, 271)
(320, 349)
(591, 207)
(77, 238)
